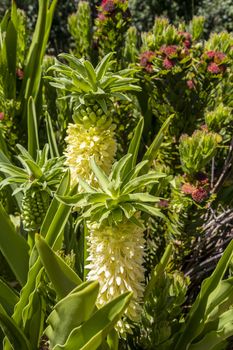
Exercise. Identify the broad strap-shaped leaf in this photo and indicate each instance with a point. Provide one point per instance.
(70, 312)
(13, 332)
(90, 335)
(63, 278)
(11, 241)
(221, 329)
(8, 297)
(195, 320)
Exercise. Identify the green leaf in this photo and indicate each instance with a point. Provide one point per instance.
(150, 210)
(223, 330)
(118, 169)
(70, 312)
(141, 181)
(103, 66)
(90, 335)
(91, 74)
(101, 176)
(51, 137)
(13, 332)
(12, 170)
(53, 208)
(63, 278)
(8, 297)
(135, 144)
(33, 140)
(197, 315)
(77, 199)
(11, 241)
(154, 147)
(128, 209)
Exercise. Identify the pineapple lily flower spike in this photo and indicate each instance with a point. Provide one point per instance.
(37, 180)
(113, 214)
(92, 92)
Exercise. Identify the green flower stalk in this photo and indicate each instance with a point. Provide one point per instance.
(113, 213)
(91, 92)
(37, 180)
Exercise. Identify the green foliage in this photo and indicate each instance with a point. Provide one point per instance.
(79, 25)
(92, 89)
(197, 150)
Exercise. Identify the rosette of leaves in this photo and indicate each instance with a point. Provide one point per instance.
(197, 150)
(37, 179)
(111, 24)
(114, 215)
(91, 92)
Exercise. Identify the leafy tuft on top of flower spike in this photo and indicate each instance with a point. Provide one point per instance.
(121, 194)
(84, 83)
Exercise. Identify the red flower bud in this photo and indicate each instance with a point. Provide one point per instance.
(168, 64)
(199, 195)
(170, 51)
(214, 68)
(2, 115)
(190, 84)
(188, 188)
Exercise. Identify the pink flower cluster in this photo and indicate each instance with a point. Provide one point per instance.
(107, 8)
(199, 191)
(146, 59)
(215, 61)
(169, 53)
(198, 194)
(186, 39)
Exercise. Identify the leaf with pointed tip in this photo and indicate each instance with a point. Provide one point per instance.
(13, 332)
(135, 144)
(101, 177)
(128, 209)
(63, 278)
(118, 169)
(91, 74)
(141, 181)
(11, 241)
(154, 147)
(90, 334)
(103, 66)
(77, 199)
(13, 170)
(8, 297)
(73, 310)
(149, 209)
(77, 64)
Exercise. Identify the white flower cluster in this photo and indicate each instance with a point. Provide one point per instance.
(116, 255)
(84, 143)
